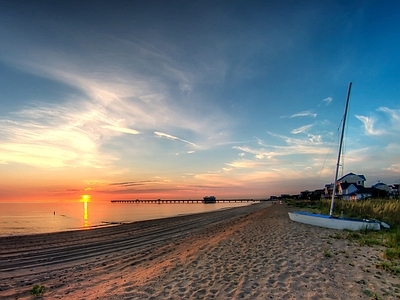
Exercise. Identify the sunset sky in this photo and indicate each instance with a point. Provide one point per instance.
(183, 99)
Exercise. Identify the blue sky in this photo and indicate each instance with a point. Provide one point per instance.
(183, 99)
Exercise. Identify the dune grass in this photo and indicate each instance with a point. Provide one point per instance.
(387, 211)
(384, 210)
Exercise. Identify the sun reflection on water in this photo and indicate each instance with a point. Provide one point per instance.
(85, 199)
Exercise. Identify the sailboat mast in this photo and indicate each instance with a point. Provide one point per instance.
(340, 150)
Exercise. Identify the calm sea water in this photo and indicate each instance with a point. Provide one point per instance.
(29, 218)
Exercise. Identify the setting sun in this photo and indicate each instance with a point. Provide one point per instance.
(85, 198)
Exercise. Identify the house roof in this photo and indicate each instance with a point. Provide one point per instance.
(352, 174)
(379, 184)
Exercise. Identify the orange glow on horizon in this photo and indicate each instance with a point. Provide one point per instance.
(85, 198)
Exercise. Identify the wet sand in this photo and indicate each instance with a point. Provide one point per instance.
(252, 252)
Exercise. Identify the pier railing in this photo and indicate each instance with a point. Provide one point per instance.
(186, 201)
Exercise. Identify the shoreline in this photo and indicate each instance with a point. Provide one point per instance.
(250, 252)
(93, 216)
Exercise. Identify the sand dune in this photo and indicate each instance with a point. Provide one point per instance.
(252, 252)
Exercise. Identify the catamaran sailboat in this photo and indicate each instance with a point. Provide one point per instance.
(329, 221)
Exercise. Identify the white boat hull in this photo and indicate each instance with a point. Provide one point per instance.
(333, 223)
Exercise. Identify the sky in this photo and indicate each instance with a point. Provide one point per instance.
(184, 99)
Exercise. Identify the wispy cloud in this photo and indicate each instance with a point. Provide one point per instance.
(304, 114)
(245, 164)
(315, 138)
(310, 145)
(287, 153)
(113, 100)
(132, 183)
(174, 138)
(394, 117)
(369, 125)
(327, 101)
(301, 129)
(375, 125)
(121, 129)
(51, 136)
(395, 168)
(257, 153)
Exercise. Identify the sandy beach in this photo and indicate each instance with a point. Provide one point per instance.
(252, 252)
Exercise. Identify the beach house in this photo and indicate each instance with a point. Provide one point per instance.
(354, 179)
(394, 190)
(348, 187)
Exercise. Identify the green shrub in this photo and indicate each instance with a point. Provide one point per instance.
(389, 267)
(352, 235)
(392, 253)
(394, 238)
(38, 290)
(327, 253)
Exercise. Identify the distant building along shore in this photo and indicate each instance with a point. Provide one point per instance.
(349, 187)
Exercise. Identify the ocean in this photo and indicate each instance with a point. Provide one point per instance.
(32, 218)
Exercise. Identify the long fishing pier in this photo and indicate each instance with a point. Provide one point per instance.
(186, 201)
